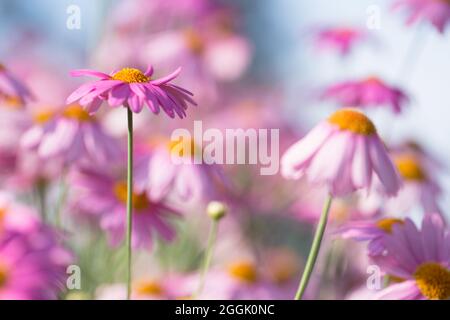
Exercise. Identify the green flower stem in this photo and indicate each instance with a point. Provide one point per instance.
(315, 247)
(208, 255)
(129, 199)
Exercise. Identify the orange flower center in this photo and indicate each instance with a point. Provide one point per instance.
(354, 121)
(140, 200)
(149, 287)
(43, 116)
(433, 281)
(410, 168)
(3, 275)
(194, 42)
(184, 147)
(13, 102)
(387, 224)
(244, 271)
(130, 75)
(2, 67)
(77, 112)
(373, 80)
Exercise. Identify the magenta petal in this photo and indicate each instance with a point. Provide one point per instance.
(88, 72)
(118, 95)
(406, 290)
(80, 92)
(166, 79)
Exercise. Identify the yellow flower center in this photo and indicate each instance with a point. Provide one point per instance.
(77, 112)
(183, 147)
(410, 168)
(43, 116)
(3, 275)
(387, 224)
(13, 102)
(2, 67)
(194, 41)
(283, 266)
(244, 271)
(354, 121)
(433, 281)
(373, 80)
(140, 200)
(149, 287)
(130, 75)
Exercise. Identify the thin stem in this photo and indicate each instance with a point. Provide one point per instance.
(41, 190)
(61, 199)
(208, 256)
(315, 247)
(129, 198)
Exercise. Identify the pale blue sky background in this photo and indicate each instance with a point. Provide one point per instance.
(278, 28)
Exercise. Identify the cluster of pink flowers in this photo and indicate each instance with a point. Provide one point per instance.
(72, 201)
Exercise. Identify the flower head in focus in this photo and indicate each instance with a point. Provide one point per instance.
(437, 12)
(367, 93)
(343, 153)
(134, 88)
(420, 259)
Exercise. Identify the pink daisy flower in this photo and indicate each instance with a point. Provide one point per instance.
(372, 231)
(130, 87)
(367, 93)
(339, 39)
(420, 259)
(104, 196)
(420, 187)
(71, 134)
(32, 266)
(169, 287)
(160, 176)
(32, 261)
(350, 139)
(437, 12)
(12, 91)
(240, 280)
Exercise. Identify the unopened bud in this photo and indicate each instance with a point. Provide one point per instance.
(216, 210)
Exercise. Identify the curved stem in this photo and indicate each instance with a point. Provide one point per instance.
(208, 256)
(315, 247)
(129, 198)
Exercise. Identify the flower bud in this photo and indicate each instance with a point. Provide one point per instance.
(216, 210)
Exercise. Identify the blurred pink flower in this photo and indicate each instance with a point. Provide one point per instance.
(372, 231)
(16, 217)
(420, 187)
(103, 196)
(169, 287)
(367, 93)
(339, 39)
(71, 134)
(437, 12)
(223, 57)
(32, 261)
(12, 91)
(342, 153)
(131, 87)
(159, 175)
(241, 280)
(420, 259)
